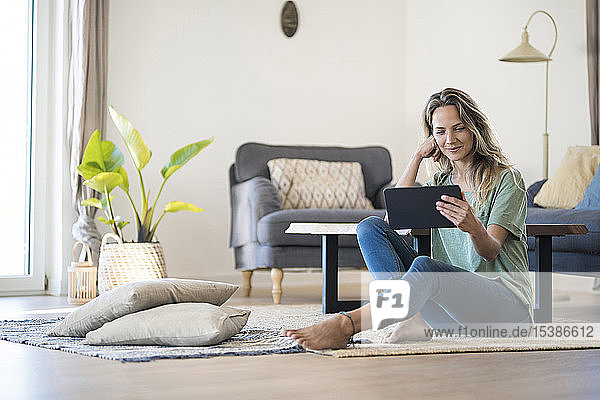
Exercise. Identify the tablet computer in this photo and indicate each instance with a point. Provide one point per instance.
(414, 207)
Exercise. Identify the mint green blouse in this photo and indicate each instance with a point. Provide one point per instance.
(506, 207)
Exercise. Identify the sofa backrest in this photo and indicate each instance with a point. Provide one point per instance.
(532, 191)
(251, 160)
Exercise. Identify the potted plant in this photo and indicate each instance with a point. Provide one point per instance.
(102, 170)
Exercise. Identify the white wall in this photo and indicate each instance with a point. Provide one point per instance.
(185, 70)
(458, 44)
(356, 73)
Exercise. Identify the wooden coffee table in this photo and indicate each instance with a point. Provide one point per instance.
(330, 233)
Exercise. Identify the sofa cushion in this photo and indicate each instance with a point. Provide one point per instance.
(251, 160)
(319, 184)
(589, 243)
(591, 197)
(566, 187)
(570, 263)
(271, 227)
(253, 255)
(532, 191)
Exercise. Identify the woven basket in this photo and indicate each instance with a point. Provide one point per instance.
(121, 263)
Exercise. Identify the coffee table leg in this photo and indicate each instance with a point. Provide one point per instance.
(329, 257)
(543, 279)
(329, 262)
(422, 244)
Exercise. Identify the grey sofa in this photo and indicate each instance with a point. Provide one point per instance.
(574, 254)
(258, 222)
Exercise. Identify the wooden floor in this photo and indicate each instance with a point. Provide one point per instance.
(27, 372)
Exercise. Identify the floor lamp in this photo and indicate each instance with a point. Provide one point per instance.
(526, 53)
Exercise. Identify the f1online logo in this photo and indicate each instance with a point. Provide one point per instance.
(381, 298)
(389, 300)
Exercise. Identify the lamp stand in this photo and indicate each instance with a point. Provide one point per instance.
(526, 53)
(545, 135)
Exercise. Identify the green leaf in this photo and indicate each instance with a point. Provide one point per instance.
(146, 226)
(104, 181)
(117, 220)
(92, 202)
(89, 170)
(106, 221)
(175, 206)
(99, 156)
(122, 224)
(112, 156)
(182, 156)
(125, 184)
(92, 155)
(104, 203)
(134, 141)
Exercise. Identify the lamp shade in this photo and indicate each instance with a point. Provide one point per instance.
(525, 52)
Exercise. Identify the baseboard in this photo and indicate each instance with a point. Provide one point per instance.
(54, 287)
(22, 293)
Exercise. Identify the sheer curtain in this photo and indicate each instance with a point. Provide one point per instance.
(592, 58)
(591, 11)
(87, 50)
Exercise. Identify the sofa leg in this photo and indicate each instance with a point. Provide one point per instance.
(247, 285)
(276, 278)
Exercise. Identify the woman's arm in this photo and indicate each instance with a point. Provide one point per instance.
(425, 150)
(487, 242)
(409, 177)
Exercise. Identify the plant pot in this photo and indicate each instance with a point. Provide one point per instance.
(121, 263)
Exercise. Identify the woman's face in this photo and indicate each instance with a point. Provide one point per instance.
(452, 137)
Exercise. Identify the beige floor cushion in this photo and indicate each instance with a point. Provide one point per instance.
(138, 296)
(565, 189)
(183, 324)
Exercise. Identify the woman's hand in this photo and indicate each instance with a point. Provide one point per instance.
(487, 242)
(429, 148)
(460, 213)
(425, 150)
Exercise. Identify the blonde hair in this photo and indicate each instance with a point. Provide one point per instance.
(488, 159)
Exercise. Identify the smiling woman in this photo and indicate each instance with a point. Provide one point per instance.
(15, 74)
(477, 272)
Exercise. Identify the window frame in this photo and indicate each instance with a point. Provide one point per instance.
(50, 212)
(30, 279)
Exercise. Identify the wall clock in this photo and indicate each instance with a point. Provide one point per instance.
(289, 18)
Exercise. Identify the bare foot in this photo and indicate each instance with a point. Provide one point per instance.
(412, 329)
(330, 334)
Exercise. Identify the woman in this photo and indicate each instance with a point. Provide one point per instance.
(478, 272)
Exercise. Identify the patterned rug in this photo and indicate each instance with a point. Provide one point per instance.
(262, 335)
(443, 345)
(459, 345)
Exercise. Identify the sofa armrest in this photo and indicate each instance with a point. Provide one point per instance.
(379, 200)
(250, 201)
(532, 191)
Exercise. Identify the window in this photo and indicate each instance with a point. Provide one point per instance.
(16, 42)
